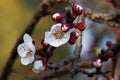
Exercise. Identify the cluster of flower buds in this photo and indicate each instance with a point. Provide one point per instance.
(27, 51)
(78, 10)
(65, 26)
(63, 32)
(106, 54)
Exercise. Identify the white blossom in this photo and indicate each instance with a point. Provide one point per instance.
(56, 37)
(38, 66)
(26, 50)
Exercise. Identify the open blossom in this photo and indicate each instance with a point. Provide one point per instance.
(26, 50)
(56, 37)
(39, 65)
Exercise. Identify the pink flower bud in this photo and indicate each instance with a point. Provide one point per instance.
(74, 34)
(77, 9)
(109, 54)
(57, 17)
(109, 44)
(65, 27)
(73, 38)
(81, 26)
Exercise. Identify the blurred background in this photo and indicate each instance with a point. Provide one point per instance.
(14, 17)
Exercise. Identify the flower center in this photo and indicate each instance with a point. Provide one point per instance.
(27, 50)
(59, 34)
(29, 53)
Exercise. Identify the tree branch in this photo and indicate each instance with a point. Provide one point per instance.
(111, 20)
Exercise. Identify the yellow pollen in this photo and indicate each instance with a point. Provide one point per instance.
(59, 34)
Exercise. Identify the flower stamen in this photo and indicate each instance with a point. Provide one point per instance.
(29, 53)
(59, 34)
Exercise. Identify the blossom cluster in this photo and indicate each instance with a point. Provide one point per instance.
(27, 51)
(103, 55)
(65, 31)
(62, 32)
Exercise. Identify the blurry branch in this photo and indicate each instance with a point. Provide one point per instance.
(50, 74)
(116, 49)
(42, 11)
(113, 66)
(112, 20)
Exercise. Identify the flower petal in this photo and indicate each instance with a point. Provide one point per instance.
(35, 70)
(27, 60)
(38, 65)
(31, 59)
(27, 38)
(55, 27)
(49, 38)
(21, 51)
(31, 46)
